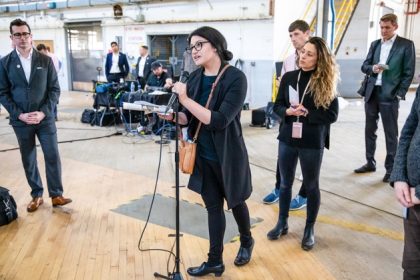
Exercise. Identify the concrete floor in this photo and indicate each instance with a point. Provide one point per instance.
(359, 231)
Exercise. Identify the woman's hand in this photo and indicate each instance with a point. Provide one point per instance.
(181, 90)
(297, 111)
(167, 117)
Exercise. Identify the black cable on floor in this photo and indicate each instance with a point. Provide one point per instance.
(336, 194)
(69, 141)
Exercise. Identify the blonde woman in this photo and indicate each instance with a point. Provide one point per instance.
(307, 102)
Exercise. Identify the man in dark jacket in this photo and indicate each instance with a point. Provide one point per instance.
(116, 66)
(144, 66)
(390, 64)
(29, 90)
(405, 178)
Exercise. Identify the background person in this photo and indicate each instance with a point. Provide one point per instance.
(405, 178)
(144, 66)
(316, 86)
(390, 64)
(299, 33)
(116, 65)
(44, 50)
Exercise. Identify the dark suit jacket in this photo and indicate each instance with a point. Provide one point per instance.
(397, 79)
(226, 131)
(18, 96)
(407, 160)
(147, 66)
(122, 64)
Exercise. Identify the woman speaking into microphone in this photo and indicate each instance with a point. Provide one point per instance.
(221, 170)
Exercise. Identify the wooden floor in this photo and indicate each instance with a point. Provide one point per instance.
(359, 233)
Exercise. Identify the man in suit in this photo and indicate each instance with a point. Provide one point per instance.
(29, 90)
(299, 33)
(390, 64)
(144, 66)
(116, 66)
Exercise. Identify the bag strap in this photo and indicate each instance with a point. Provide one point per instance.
(209, 99)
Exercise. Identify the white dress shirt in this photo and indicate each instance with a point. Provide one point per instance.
(141, 65)
(289, 64)
(114, 67)
(385, 49)
(26, 63)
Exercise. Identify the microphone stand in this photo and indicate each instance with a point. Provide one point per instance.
(177, 274)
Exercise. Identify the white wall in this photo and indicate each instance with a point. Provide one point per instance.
(246, 24)
(285, 13)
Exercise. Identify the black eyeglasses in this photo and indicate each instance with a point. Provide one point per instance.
(20, 35)
(198, 46)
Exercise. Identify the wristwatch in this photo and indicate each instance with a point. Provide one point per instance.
(418, 191)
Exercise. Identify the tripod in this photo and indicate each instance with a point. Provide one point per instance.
(177, 274)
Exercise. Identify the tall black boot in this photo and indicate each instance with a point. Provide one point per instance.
(308, 240)
(281, 228)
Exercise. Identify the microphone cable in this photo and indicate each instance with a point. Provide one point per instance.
(171, 253)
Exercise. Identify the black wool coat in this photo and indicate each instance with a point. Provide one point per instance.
(226, 131)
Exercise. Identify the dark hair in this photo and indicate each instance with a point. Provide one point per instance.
(300, 25)
(145, 47)
(112, 43)
(41, 47)
(216, 39)
(18, 22)
(391, 18)
(155, 65)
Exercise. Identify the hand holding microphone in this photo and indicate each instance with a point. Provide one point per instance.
(179, 89)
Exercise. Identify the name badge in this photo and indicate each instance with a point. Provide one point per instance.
(297, 130)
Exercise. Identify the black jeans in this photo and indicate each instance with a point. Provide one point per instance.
(411, 257)
(310, 162)
(302, 192)
(389, 115)
(213, 195)
(115, 77)
(46, 132)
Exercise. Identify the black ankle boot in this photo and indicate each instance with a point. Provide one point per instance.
(205, 269)
(308, 240)
(281, 228)
(244, 254)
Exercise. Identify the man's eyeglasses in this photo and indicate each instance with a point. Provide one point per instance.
(20, 35)
(198, 46)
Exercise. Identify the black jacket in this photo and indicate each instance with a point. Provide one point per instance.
(122, 64)
(18, 96)
(147, 67)
(407, 160)
(397, 79)
(226, 130)
(316, 125)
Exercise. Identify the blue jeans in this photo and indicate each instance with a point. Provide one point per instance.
(46, 132)
(310, 162)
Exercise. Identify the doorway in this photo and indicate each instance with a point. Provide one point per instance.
(86, 54)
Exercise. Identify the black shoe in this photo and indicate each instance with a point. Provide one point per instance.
(281, 228)
(205, 269)
(386, 178)
(244, 254)
(308, 240)
(366, 168)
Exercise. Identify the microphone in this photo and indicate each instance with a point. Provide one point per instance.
(182, 79)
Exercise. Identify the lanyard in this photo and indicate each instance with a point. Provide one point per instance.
(304, 92)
